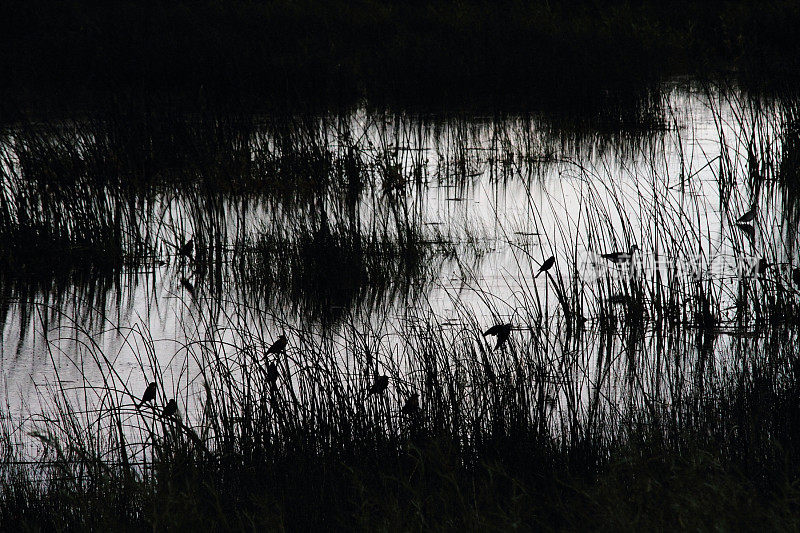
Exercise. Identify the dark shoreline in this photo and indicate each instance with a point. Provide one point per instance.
(322, 54)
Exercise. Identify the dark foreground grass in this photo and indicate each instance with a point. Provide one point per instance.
(737, 469)
(617, 431)
(422, 489)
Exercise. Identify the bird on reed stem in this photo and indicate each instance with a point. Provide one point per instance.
(149, 394)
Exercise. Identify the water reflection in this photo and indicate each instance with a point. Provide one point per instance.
(314, 222)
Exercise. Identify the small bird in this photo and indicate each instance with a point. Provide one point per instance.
(796, 276)
(272, 373)
(620, 258)
(187, 248)
(170, 409)
(149, 394)
(749, 216)
(547, 265)
(762, 266)
(501, 331)
(412, 405)
(380, 385)
(279, 345)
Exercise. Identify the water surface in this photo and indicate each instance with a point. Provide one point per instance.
(363, 235)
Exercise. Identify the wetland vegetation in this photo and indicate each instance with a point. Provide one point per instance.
(383, 190)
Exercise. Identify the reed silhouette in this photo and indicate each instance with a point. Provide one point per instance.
(684, 390)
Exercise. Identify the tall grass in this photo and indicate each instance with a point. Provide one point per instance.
(650, 398)
(549, 429)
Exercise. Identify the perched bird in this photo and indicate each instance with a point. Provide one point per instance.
(170, 409)
(749, 216)
(796, 276)
(149, 394)
(272, 373)
(547, 265)
(187, 249)
(501, 331)
(412, 405)
(279, 345)
(620, 258)
(380, 385)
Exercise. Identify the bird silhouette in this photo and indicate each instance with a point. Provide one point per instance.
(170, 409)
(620, 258)
(796, 276)
(501, 331)
(547, 265)
(149, 394)
(762, 266)
(187, 249)
(380, 385)
(272, 373)
(749, 216)
(412, 405)
(279, 345)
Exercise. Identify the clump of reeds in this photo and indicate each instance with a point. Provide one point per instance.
(313, 446)
(645, 380)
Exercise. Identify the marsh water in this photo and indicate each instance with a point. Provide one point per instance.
(362, 234)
